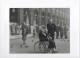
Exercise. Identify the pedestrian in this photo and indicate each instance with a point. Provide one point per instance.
(11, 32)
(13, 29)
(20, 29)
(34, 31)
(61, 32)
(65, 32)
(37, 29)
(51, 30)
(57, 31)
(24, 33)
(16, 29)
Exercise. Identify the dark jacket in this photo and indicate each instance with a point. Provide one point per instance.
(42, 37)
(24, 30)
(51, 28)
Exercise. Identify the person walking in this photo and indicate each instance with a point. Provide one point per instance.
(13, 29)
(61, 32)
(16, 29)
(34, 31)
(57, 31)
(24, 33)
(65, 32)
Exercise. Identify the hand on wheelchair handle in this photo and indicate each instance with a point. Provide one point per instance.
(49, 38)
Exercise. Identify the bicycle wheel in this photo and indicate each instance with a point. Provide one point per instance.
(39, 47)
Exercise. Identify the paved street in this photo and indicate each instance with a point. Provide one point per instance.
(62, 45)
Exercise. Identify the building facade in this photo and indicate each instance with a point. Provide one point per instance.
(41, 16)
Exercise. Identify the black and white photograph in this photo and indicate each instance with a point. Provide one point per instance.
(39, 30)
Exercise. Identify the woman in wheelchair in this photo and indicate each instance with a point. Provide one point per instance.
(44, 36)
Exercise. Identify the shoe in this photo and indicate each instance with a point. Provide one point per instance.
(55, 49)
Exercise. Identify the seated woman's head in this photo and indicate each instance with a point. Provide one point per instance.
(42, 28)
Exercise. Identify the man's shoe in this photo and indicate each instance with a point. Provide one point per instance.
(54, 50)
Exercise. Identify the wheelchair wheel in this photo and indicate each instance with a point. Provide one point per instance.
(39, 47)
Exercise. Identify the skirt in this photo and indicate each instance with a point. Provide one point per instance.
(51, 45)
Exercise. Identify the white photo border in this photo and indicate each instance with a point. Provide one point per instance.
(74, 28)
